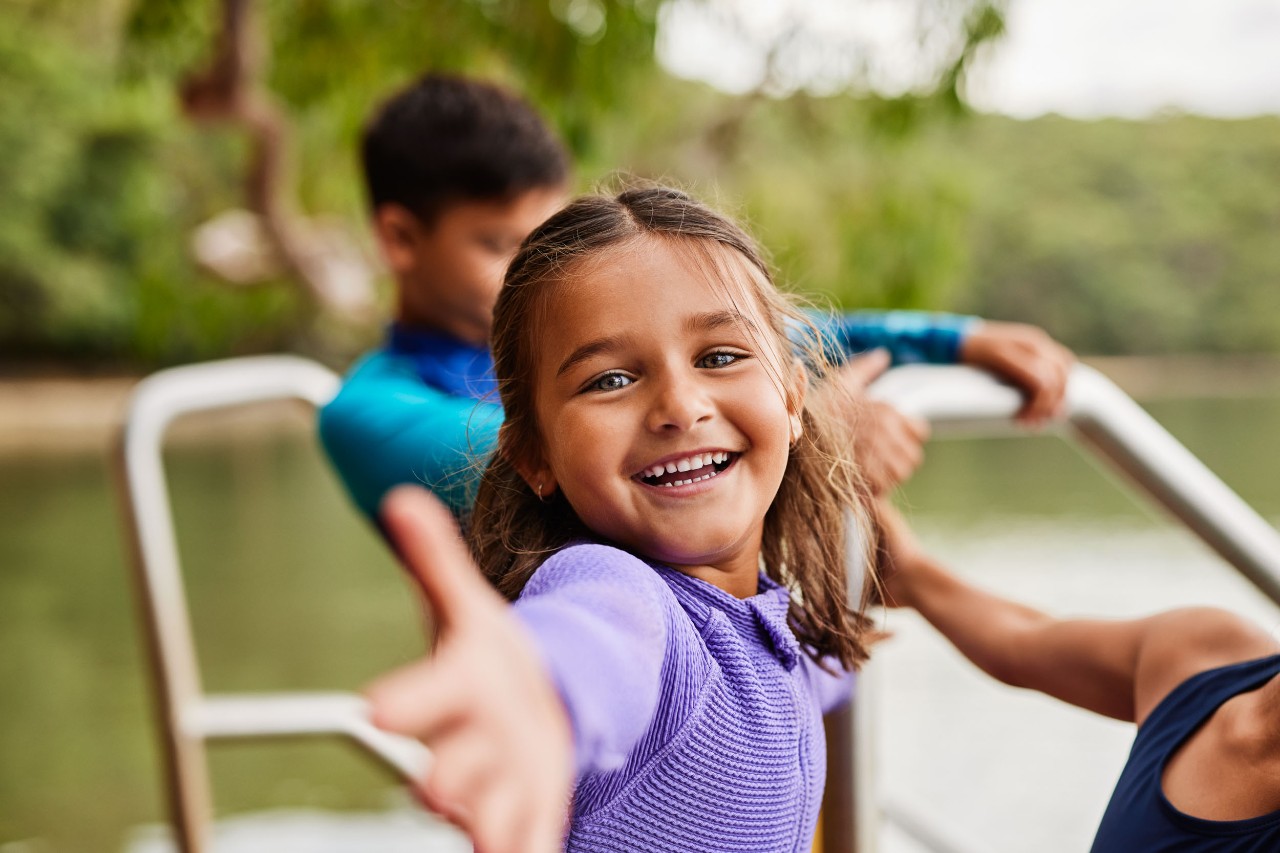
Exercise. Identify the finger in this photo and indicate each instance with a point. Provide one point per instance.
(505, 814)
(419, 700)
(1049, 389)
(861, 370)
(1059, 410)
(427, 540)
(526, 821)
(919, 428)
(464, 764)
(902, 470)
(455, 813)
(875, 474)
(907, 443)
(1034, 411)
(1030, 378)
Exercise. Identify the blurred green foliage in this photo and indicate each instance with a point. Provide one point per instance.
(1117, 236)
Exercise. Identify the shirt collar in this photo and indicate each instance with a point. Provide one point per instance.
(766, 611)
(442, 361)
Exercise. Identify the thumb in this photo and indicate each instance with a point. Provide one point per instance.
(861, 370)
(428, 542)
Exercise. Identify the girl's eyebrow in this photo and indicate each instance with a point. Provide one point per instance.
(708, 321)
(587, 350)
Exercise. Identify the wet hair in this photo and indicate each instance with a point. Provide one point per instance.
(448, 139)
(821, 506)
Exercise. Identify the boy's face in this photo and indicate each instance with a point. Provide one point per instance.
(448, 273)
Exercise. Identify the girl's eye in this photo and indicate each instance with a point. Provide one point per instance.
(719, 359)
(609, 382)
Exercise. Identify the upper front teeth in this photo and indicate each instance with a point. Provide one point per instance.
(689, 463)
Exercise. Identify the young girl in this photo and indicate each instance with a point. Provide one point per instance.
(670, 518)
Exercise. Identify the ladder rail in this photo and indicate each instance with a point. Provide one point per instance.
(187, 716)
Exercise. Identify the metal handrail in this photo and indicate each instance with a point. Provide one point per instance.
(1105, 420)
(188, 716)
(1102, 419)
(1099, 417)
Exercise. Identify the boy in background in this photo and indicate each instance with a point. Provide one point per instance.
(458, 172)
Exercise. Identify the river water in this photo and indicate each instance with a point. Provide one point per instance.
(291, 591)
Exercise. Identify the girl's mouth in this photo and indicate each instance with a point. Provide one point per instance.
(690, 469)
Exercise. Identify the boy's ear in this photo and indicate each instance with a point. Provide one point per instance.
(795, 399)
(398, 232)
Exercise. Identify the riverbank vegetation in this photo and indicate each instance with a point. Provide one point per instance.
(1120, 237)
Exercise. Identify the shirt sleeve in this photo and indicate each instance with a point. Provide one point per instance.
(911, 337)
(598, 616)
(833, 689)
(385, 427)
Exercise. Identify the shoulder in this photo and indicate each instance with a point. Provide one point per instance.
(1181, 643)
(384, 394)
(594, 564)
(378, 370)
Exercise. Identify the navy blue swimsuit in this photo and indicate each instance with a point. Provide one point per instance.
(1139, 818)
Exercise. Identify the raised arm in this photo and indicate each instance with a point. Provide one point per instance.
(864, 344)
(1091, 664)
(908, 336)
(1119, 668)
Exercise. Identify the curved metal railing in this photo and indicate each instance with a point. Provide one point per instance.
(1100, 418)
(188, 717)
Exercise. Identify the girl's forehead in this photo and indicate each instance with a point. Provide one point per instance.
(643, 294)
(683, 267)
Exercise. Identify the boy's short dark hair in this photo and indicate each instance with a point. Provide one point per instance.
(446, 139)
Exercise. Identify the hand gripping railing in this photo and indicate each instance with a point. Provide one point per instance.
(189, 718)
(1103, 419)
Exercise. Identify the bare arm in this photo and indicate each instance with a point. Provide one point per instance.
(1180, 643)
(1119, 668)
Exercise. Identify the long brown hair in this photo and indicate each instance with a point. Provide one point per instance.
(821, 505)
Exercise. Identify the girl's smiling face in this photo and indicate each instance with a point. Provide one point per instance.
(659, 397)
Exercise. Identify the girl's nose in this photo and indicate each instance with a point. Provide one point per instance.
(679, 403)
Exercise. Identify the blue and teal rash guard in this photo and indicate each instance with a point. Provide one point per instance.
(424, 407)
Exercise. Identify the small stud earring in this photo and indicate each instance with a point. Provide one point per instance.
(538, 489)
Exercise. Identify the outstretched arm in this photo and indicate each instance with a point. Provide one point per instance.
(1119, 668)
(483, 702)
(514, 699)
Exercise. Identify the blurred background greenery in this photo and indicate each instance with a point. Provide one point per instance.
(1118, 236)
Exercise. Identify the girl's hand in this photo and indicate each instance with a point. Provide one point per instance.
(482, 702)
(1026, 356)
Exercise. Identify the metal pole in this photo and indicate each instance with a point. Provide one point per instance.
(1102, 419)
